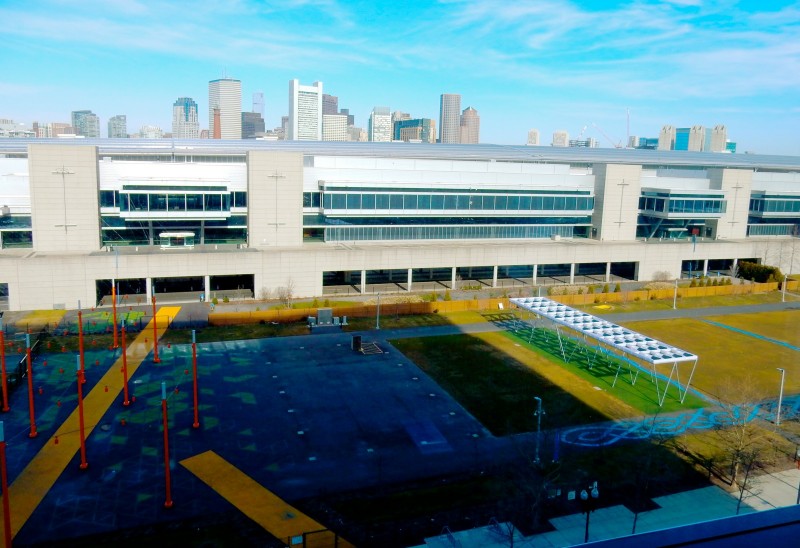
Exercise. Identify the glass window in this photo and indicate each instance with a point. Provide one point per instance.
(500, 203)
(538, 203)
(396, 201)
(560, 203)
(525, 203)
(476, 202)
(194, 202)
(107, 198)
(382, 201)
(306, 199)
(513, 203)
(424, 201)
(410, 201)
(213, 202)
(315, 199)
(437, 202)
(338, 201)
(450, 201)
(572, 203)
(138, 202)
(177, 202)
(354, 201)
(240, 199)
(367, 201)
(462, 201)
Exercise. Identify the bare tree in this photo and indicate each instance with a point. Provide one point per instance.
(286, 293)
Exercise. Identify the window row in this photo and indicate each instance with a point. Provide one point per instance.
(775, 206)
(372, 233)
(162, 202)
(464, 202)
(696, 206)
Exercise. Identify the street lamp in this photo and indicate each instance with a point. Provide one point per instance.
(780, 396)
(378, 313)
(675, 296)
(588, 505)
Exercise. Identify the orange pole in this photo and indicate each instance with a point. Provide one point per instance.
(167, 482)
(4, 482)
(80, 343)
(81, 426)
(155, 334)
(3, 364)
(196, 423)
(114, 310)
(33, 433)
(125, 401)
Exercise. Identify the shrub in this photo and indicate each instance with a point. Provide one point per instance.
(327, 303)
(580, 291)
(315, 303)
(225, 299)
(605, 288)
(661, 276)
(693, 283)
(215, 301)
(758, 272)
(597, 300)
(617, 288)
(447, 296)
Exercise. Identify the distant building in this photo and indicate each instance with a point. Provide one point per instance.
(422, 130)
(330, 104)
(150, 132)
(225, 108)
(258, 102)
(305, 112)
(666, 139)
(716, 138)
(450, 118)
(118, 127)
(351, 119)
(560, 138)
(185, 123)
(730, 146)
(252, 125)
(646, 143)
(380, 125)
(470, 127)
(334, 127)
(533, 138)
(399, 115)
(356, 134)
(589, 142)
(86, 124)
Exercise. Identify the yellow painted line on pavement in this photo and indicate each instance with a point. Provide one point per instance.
(34, 482)
(259, 504)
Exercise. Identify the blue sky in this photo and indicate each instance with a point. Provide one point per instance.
(523, 64)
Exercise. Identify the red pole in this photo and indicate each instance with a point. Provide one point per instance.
(33, 433)
(155, 334)
(80, 343)
(168, 500)
(196, 423)
(114, 310)
(3, 364)
(84, 465)
(4, 482)
(125, 401)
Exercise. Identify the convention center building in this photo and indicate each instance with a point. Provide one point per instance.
(202, 218)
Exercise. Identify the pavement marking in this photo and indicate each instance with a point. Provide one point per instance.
(41, 473)
(39, 318)
(253, 500)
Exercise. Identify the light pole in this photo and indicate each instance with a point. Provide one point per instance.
(675, 296)
(783, 288)
(588, 504)
(378, 313)
(780, 396)
(538, 414)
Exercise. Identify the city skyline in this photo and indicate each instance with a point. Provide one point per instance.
(544, 65)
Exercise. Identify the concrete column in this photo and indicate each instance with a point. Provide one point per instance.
(410, 279)
(535, 272)
(705, 267)
(207, 288)
(494, 276)
(608, 272)
(733, 268)
(453, 279)
(571, 273)
(363, 281)
(148, 287)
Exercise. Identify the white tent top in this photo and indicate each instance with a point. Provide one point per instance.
(630, 342)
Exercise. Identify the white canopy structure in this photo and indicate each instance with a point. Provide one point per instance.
(629, 344)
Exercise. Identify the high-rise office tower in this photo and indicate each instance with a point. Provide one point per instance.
(305, 112)
(118, 127)
(334, 127)
(470, 126)
(150, 132)
(330, 104)
(560, 138)
(185, 123)
(421, 130)
(225, 109)
(351, 118)
(86, 123)
(252, 125)
(533, 138)
(450, 118)
(258, 102)
(716, 139)
(380, 125)
(399, 115)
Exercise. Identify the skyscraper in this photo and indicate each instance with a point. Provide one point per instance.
(470, 126)
(225, 109)
(422, 130)
(334, 127)
(258, 102)
(305, 112)
(185, 124)
(118, 127)
(533, 138)
(380, 125)
(86, 123)
(450, 118)
(666, 139)
(252, 125)
(330, 104)
(560, 138)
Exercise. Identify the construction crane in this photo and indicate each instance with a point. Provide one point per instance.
(609, 139)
